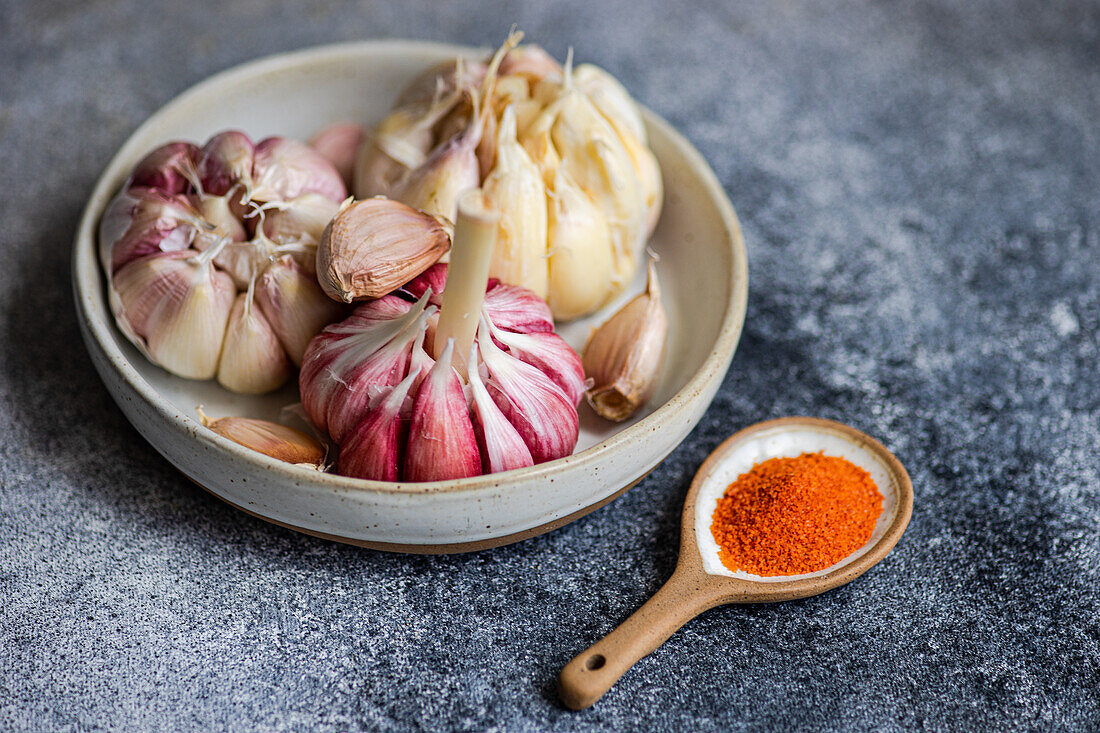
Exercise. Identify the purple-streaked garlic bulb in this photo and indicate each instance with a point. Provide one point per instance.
(210, 255)
(453, 375)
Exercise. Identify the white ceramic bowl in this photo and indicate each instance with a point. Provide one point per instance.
(704, 280)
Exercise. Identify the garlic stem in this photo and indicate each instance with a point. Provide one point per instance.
(467, 275)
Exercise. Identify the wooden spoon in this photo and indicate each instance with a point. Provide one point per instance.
(700, 581)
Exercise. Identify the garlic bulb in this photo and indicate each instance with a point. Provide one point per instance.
(210, 255)
(518, 115)
(389, 385)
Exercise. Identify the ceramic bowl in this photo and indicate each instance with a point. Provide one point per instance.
(704, 281)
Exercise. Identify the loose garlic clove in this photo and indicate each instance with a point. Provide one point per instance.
(623, 356)
(581, 262)
(252, 360)
(177, 306)
(285, 169)
(271, 439)
(294, 305)
(442, 444)
(514, 188)
(340, 144)
(502, 447)
(169, 168)
(375, 246)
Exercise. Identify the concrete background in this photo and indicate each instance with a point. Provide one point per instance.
(918, 183)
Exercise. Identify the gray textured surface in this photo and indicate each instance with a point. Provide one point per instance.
(919, 188)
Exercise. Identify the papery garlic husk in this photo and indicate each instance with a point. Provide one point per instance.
(581, 259)
(373, 247)
(293, 304)
(252, 359)
(285, 169)
(514, 188)
(271, 439)
(175, 307)
(442, 79)
(623, 356)
(442, 444)
(169, 168)
(375, 448)
(340, 144)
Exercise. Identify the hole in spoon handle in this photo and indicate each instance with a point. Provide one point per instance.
(594, 671)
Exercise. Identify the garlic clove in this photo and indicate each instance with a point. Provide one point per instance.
(502, 447)
(294, 305)
(216, 211)
(271, 439)
(243, 261)
(442, 444)
(623, 356)
(514, 188)
(441, 79)
(285, 169)
(581, 261)
(252, 359)
(371, 346)
(374, 448)
(375, 246)
(517, 309)
(611, 99)
(548, 353)
(649, 178)
(170, 168)
(178, 305)
(449, 171)
(535, 406)
(225, 163)
(301, 220)
(155, 222)
(340, 143)
(434, 279)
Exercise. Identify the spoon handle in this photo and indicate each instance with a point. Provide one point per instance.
(593, 672)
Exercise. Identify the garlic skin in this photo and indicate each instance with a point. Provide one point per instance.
(211, 253)
(623, 356)
(271, 439)
(373, 247)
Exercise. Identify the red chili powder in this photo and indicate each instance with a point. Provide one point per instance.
(789, 516)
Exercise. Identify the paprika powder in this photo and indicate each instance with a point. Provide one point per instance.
(789, 516)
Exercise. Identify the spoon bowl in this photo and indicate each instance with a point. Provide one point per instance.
(701, 582)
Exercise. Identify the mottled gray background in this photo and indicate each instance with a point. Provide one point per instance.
(920, 188)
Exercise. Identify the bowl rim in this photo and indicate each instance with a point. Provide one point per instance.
(90, 295)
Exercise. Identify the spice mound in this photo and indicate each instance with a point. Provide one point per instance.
(789, 516)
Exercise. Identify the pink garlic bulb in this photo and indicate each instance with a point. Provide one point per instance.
(210, 256)
(392, 387)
